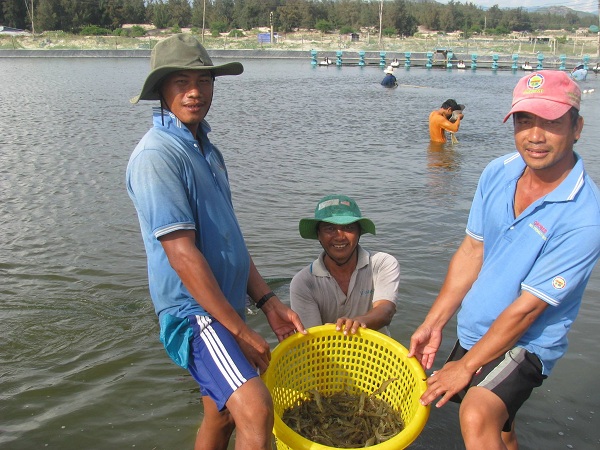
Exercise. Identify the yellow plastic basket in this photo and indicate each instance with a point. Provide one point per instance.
(330, 362)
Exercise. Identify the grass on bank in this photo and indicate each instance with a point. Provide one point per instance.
(308, 40)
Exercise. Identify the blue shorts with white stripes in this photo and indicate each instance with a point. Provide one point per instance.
(216, 360)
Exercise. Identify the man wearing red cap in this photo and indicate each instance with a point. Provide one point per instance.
(518, 277)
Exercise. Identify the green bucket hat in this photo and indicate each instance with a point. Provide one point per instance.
(337, 209)
(180, 52)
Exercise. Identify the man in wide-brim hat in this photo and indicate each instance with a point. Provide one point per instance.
(200, 271)
(389, 80)
(346, 285)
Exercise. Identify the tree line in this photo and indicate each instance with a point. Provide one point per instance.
(398, 17)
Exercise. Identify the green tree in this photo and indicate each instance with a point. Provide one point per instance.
(430, 17)
(516, 20)
(13, 13)
(79, 14)
(475, 29)
(403, 15)
(447, 20)
(159, 12)
(179, 13)
(48, 14)
(218, 27)
(292, 15)
(314, 12)
(249, 14)
(134, 11)
(324, 26)
(403, 22)
(389, 32)
(198, 11)
(222, 11)
(571, 19)
(347, 12)
(115, 13)
(493, 17)
(94, 30)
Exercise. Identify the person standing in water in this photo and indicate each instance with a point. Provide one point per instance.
(389, 80)
(518, 277)
(199, 269)
(445, 119)
(346, 285)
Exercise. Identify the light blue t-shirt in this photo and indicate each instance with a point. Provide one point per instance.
(549, 251)
(179, 183)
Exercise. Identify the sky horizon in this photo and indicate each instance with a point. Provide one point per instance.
(577, 5)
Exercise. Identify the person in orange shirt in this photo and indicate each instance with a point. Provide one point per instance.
(445, 119)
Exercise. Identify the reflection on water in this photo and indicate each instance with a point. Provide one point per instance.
(81, 363)
(442, 156)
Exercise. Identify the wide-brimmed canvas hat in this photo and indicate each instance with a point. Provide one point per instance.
(180, 52)
(336, 209)
(389, 69)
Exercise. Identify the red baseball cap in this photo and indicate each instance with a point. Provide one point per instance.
(547, 93)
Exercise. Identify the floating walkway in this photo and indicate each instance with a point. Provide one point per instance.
(445, 59)
(440, 58)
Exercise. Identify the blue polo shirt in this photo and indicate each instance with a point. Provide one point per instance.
(549, 251)
(179, 183)
(389, 80)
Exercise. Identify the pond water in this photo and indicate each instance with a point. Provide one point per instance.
(81, 364)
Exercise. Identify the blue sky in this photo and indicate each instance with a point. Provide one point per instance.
(578, 5)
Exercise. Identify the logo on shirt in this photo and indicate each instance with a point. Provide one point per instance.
(559, 283)
(539, 229)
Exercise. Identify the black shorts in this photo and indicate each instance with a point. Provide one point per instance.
(512, 377)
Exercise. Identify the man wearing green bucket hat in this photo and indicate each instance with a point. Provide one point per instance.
(200, 272)
(346, 285)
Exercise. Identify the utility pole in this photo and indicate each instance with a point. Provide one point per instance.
(381, 20)
(30, 11)
(204, 16)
